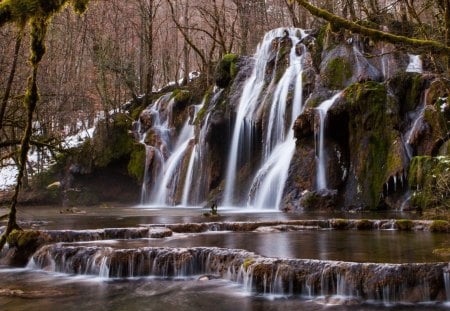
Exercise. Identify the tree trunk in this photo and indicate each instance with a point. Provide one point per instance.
(185, 45)
(12, 73)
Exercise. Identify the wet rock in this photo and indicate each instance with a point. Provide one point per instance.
(344, 65)
(159, 233)
(319, 200)
(226, 70)
(21, 245)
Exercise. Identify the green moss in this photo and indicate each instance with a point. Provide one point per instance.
(181, 97)
(248, 262)
(336, 73)
(429, 177)
(112, 140)
(226, 70)
(404, 224)
(23, 238)
(374, 137)
(408, 88)
(439, 226)
(136, 166)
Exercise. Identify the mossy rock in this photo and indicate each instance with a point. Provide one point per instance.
(404, 224)
(337, 73)
(373, 135)
(429, 177)
(23, 238)
(22, 245)
(439, 226)
(136, 166)
(364, 224)
(408, 88)
(226, 70)
(112, 140)
(181, 97)
(339, 224)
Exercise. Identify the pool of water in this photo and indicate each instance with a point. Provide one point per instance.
(50, 217)
(357, 246)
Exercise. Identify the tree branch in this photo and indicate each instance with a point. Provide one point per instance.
(339, 22)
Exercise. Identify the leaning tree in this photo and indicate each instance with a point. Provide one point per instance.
(37, 14)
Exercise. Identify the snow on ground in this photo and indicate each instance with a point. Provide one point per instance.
(8, 175)
(8, 171)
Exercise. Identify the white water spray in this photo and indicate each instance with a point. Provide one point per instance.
(321, 165)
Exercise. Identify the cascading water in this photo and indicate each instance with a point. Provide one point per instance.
(193, 172)
(267, 186)
(250, 103)
(169, 159)
(321, 156)
(415, 64)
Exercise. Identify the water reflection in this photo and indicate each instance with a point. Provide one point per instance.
(355, 246)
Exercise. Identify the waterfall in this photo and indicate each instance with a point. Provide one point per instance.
(188, 179)
(154, 154)
(267, 187)
(249, 103)
(447, 284)
(188, 184)
(415, 64)
(164, 160)
(321, 156)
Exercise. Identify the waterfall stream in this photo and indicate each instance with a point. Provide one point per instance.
(415, 64)
(168, 153)
(278, 144)
(321, 156)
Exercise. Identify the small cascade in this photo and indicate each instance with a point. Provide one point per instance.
(416, 124)
(193, 161)
(250, 102)
(162, 177)
(388, 284)
(447, 284)
(268, 185)
(189, 177)
(415, 64)
(194, 193)
(321, 156)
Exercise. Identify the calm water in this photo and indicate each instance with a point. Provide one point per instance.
(117, 216)
(357, 246)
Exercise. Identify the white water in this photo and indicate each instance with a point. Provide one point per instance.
(249, 103)
(267, 187)
(187, 187)
(415, 64)
(321, 157)
(169, 155)
(189, 178)
(447, 285)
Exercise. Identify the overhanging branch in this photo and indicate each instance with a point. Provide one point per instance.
(339, 22)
